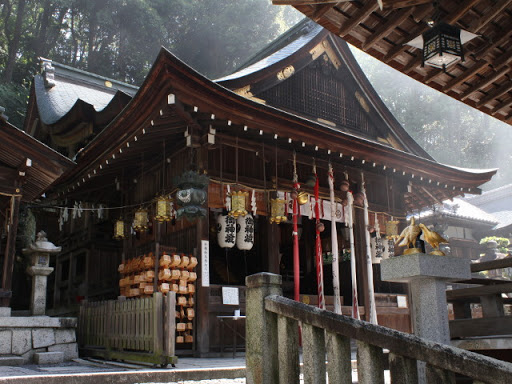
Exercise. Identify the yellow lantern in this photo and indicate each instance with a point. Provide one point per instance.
(238, 204)
(163, 209)
(119, 230)
(392, 229)
(140, 222)
(277, 208)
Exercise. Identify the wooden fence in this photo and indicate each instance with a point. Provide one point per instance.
(272, 350)
(141, 329)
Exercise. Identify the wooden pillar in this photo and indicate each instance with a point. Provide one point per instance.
(10, 250)
(362, 272)
(273, 242)
(202, 341)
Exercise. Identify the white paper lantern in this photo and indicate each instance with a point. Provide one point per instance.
(245, 232)
(226, 231)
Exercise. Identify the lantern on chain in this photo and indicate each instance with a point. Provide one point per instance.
(163, 208)
(238, 203)
(119, 229)
(442, 44)
(277, 210)
(141, 220)
(392, 229)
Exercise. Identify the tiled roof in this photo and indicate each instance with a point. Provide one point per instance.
(504, 218)
(72, 85)
(459, 208)
(309, 31)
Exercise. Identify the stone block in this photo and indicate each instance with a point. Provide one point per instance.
(43, 337)
(38, 322)
(7, 361)
(21, 341)
(28, 357)
(5, 311)
(70, 350)
(64, 336)
(48, 357)
(5, 342)
(406, 268)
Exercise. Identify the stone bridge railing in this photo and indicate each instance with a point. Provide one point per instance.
(272, 347)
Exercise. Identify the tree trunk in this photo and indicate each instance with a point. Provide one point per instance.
(14, 43)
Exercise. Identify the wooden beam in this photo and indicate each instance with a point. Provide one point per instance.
(484, 82)
(501, 106)
(395, 4)
(10, 248)
(477, 67)
(449, 19)
(384, 29)
(305, 2)
(481, 22)
(478, 291)
(358, 17)
(501, 90)
(321, 10)
(486, 326)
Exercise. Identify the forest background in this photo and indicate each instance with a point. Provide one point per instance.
(121, 38)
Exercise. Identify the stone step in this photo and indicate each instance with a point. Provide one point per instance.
(6, 361)
(48, 357)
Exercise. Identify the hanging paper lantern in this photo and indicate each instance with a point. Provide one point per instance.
(277, 211)
(163, 209)
(140, 221)
(226, 231)
(119, 230)
(238, 203)
(391, 229)
(245, 232)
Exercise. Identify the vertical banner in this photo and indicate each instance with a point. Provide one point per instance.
(334, 246)
(318, 249)
(350, 221)
(369, 266)
(205, 263)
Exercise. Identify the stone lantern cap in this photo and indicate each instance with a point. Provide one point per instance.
(41, 245)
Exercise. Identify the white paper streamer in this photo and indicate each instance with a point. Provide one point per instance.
(334, 246)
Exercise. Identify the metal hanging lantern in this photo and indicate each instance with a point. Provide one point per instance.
(119, 229)
(442, 44)
(277, 211)
(191, 195)
(141, 220)
(238, 201)
(163, 209)
(392, 229)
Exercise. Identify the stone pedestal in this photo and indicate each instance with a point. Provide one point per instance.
(427, 276)
(39, 253)
(39, 283)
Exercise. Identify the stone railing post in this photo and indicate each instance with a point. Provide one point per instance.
(261, 330)
(427, 276)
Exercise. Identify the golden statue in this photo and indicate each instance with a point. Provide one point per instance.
(434, 239)
(408, 238)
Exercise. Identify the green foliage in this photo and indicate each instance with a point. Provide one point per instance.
(14, 98)
(121, 38)
(502, 242)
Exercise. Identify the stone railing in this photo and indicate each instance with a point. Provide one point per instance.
(272, 349)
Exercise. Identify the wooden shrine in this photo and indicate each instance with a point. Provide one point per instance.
(226, 152)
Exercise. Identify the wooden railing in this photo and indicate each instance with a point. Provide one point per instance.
(488, 293)
(272, 351)
(141, 329)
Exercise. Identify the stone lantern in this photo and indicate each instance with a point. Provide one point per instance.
(39, 252)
